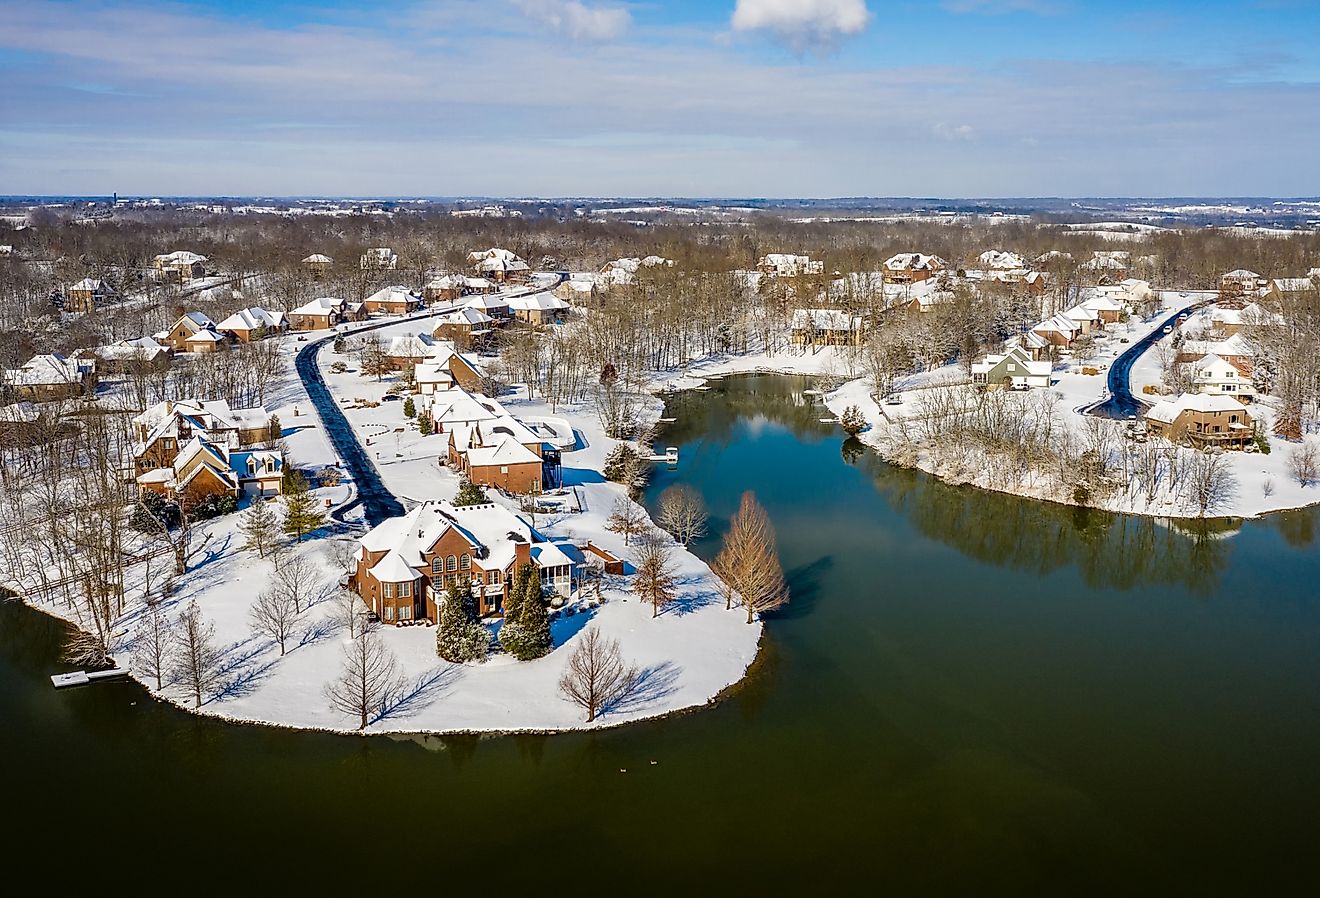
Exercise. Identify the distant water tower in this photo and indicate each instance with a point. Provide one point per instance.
(114, 198)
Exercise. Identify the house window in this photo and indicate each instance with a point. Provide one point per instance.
(405, 590)
(389, 612)
(387, 590)
(504, 469)
(465, 562)
(451, 563)
(405, 612)
(495, 577)
(1012, 368)
(437, 565)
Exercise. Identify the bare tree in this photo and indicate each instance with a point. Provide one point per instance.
(273, 614)
(655, 581)
(152, 640)
(1304, 463)
(296, 576)
(627, 518)
(350, 612)
(1208, 483)
(683, 513)
(748, 563)
(369, 679)
(194, 658)
(597, 675)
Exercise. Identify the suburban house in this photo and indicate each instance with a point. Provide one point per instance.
(48, 378)
(446, 288)
(1059, 331)
(1213, 374)
(1240, 282)
(179, 267)
(446, 369)
(1233, 321)
(1087, 320)
(786, 265)
(380, 258)
(160, 431)
(86, 295)
(911, 268)
(189, 325)
(1202, 420)
(392, 301)
(1108, 266)
(1236, 349)
(325, 312)
(1278, 288)
(247, 325)
(408, 350)
(504, 463)
(499, 265)
(318, 263)
(142, 354)
(465, 327)
(206, 341)
(999, 260)
(579, 289)
(1013, 370)
(826, 327)
(405, 564)
(538, 308)
(1036, 282)
(492, 304)
(202, 470)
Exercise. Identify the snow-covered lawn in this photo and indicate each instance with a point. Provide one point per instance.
(688, 655)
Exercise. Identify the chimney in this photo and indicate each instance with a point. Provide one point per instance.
(522, 554)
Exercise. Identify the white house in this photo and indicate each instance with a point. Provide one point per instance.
(1014, 370)
(788, 265)
(1216, 375)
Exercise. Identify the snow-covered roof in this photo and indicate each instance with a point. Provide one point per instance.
(486, 301)
(1241, 274)
(1058, 324)
(1293, 285)
(544, 302)
(479, 283)
(51, 369)
(205, 336)
(318, 259)
(1236, 345)
(507, 451)
(90, 284)
(1168, 410)
(19, 413)
(179, 257)
(195, 321)
(788, 264)
(1000, 259)
(825, 320)
(466, 316)
(496, 259)
(142, 347)
(394, 294)
(1020, 356)
(410, 346)
(252, 319)
(323, 305)
(914, 262)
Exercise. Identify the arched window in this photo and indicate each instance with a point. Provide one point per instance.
(437, 565)
(451, 563)
(465, 562)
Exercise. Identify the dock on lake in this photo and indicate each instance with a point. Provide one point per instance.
(82, 677)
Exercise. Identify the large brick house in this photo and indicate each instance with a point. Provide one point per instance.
(203, 470)
(189, 325)
(396, 300)
(247, 325)
(48, 378)
(179, 267)
(912, 268)
(88, 294)
(405, 564)
(499, 265)
(325, 312)
(162, 430)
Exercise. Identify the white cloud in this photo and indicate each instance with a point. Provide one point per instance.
(945, 131)
(802, 24)
(578, 20)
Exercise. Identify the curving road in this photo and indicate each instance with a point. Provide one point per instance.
(1121, 404)
(378, 502)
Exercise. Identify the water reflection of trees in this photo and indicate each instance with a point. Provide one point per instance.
(716, 415)
(1109, 550)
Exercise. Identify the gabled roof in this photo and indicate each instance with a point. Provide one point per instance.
(544, 302)
(323, 305)
(318, 259)
(411, 346)
(496, 259)
(1168, 411)
(395, 293)
(507, 451)
(252, 319)
(51, 369)
(467, 316)
(180, 257)
(825, 320)
(914, 262)
(1000, 259)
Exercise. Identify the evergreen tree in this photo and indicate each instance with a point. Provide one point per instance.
(409, 409)
(460, 636)
(302, 511)
(260, 527)
(424, 425)
(525, 633)
(276, 430)
(470, 494)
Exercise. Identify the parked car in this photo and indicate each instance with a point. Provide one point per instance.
(1168, 328)
(893, 399)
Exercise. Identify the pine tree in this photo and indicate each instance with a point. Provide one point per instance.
(525, 633)
(470, 494)
(409, 409)
(302, 513)
(260, 527)
(460, 636)
(276, 429)
(425, 426)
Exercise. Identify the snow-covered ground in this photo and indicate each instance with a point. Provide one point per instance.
(690, 654)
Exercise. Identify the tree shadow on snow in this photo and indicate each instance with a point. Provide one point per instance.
(565, 626)
(416, 695)
(651, 685)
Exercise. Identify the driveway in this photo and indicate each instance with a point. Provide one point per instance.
(1121, 404)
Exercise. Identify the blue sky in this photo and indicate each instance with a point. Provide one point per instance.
(679, 98)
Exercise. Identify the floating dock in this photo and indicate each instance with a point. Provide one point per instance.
(670, 456)
(83, 678)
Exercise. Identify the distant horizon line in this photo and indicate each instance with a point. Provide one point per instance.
(648, 198)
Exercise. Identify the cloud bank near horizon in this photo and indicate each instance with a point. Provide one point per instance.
(588, 97)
